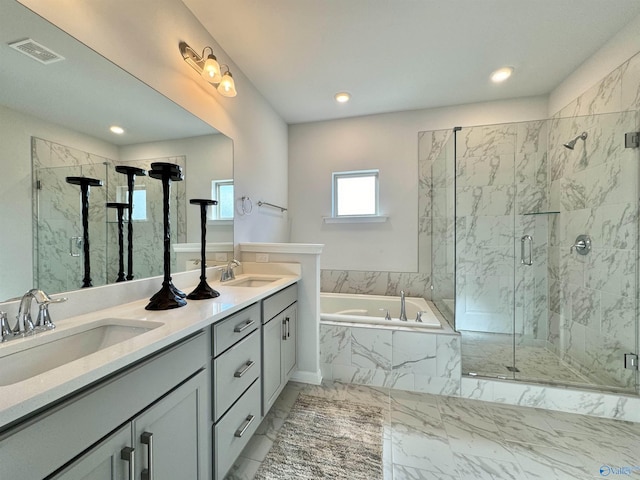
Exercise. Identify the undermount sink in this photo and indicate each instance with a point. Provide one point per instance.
(48, 350)
(252, 281)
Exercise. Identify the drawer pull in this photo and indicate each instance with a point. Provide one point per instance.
(244, 426)
(243, 326)
(245, 368)
(288, 332)
(128, 454)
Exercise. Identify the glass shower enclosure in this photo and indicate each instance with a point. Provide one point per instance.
(541, 269)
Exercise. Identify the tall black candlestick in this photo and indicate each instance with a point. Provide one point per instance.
(168, 296)
(203, 290)
(131, 173)
(85, 183)
(120, 207)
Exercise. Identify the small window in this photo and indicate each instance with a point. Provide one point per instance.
(139, 201)
(355, 193)
(222, 191)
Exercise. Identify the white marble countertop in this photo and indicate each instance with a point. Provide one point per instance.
(18, 400)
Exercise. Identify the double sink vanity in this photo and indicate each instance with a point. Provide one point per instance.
(125, 393)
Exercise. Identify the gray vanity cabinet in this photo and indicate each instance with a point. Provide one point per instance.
(168, 433)
(86, 436)
(279, 334)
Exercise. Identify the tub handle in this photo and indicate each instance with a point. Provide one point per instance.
(387, 316)
(419, 317)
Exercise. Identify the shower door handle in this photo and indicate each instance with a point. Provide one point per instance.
(523, 240)
(75, 243)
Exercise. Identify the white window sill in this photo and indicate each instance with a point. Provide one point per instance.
(219, 223)
(356, 219)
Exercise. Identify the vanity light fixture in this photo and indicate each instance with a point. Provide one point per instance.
(116, 129)
(207, 65)
(342, 97)
(501, 74)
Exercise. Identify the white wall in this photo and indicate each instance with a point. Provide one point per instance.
(209, 155)
(142, 37)
(16, 130)
(388, 142)
(616, 51)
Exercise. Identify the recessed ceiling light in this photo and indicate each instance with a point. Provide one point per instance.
(116, 129)
(342, 97)
(501, 74)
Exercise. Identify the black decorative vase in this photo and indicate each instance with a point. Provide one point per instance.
(203, 291)
(120, 208)
(131, 173)
(169, 296)
(85, 183)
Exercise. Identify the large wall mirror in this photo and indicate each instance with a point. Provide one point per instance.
(55, 119)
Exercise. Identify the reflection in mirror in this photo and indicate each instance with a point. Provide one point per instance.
(54, 123)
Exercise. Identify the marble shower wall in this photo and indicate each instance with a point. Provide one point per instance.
(502, 195)
(593, 307)
(57, 218)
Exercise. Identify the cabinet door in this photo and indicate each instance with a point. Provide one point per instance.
(104, 461)
(289, 350)
(272, 334)
(172, 435)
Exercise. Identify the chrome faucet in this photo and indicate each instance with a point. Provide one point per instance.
(227, 273)
(24, 324)
(403, 312)
(5, 330)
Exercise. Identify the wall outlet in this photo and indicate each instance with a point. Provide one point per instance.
(220, 257)
(262, 257)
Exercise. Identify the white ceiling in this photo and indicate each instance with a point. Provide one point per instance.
(394, 55)
(85, 92)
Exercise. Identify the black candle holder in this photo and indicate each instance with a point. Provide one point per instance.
(85, 183)
(131, 173)
(168, 296)
(120, 208)
(203, 291)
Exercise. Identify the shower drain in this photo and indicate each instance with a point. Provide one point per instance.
(512, 369)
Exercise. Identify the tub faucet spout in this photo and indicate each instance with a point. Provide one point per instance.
(403, 312)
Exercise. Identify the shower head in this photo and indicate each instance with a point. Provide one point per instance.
(572, 143)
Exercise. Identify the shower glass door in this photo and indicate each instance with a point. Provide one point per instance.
(530, 306)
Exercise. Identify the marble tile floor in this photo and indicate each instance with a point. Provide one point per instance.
(446, 438)
(490, 354)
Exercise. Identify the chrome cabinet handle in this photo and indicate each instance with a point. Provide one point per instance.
(522, 241)
(128, 454)
(284, 328)
(147, 439)
(243, 326)
(244, 369)
(287, 319)
(244, 426)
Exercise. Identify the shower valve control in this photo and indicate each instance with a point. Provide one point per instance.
(582, 244)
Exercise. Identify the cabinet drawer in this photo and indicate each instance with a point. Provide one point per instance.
(236, 428)
(235, 328)
(277, 302)
(234, 371)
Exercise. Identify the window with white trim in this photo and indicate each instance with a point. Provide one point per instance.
(222, 191)
(355, 193)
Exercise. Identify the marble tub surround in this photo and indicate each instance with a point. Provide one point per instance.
(125, 301)
(440, 437)
(400, 358)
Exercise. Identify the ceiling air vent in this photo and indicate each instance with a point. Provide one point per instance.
(36, 51)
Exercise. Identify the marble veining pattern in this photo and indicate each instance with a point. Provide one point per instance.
(439, 437)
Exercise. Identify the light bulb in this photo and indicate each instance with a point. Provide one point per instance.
(211, 70)
(342, 97)
(501, 74)
(227, 87)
